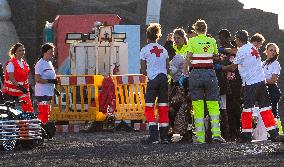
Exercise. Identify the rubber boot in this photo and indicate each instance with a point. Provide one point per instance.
(274, 135)
(154, 135)
(187, 137)
(164, 134)
(246, 137)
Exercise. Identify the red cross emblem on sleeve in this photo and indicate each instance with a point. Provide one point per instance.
(156, 51)
(254, 52)
(205, 49)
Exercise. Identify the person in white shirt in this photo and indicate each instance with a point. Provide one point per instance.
(248, 62)
(271, 68)
(155, 64)
(45, 78)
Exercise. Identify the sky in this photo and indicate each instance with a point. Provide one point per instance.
(273, 6)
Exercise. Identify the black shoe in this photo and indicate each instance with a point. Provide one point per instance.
(218, 139)
(187, 137)
(164, 134)
(154, 135)
(243, 140)
(50, 139)
(281, 148)
(274, 136)
(165, 141)
(149, 141)
(123, 126)
(279, 138)
(246, 137)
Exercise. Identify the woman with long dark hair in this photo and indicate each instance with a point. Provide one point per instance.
(271, 68)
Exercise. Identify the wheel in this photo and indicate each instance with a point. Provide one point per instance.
(9, 145)
(39, 142)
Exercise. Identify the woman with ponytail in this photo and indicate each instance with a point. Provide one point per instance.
(180, 116)
(16, 83)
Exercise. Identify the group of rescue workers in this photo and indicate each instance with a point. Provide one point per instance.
(15, 79)
(191, 80)
(213, 83)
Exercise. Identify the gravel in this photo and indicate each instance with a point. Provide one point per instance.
(124, 149)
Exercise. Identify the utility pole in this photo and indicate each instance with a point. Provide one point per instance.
(153, 11)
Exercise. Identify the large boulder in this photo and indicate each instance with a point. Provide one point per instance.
(8, 34)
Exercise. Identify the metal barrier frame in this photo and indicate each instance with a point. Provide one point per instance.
(129, 90)
(71, 82)
(130, 105)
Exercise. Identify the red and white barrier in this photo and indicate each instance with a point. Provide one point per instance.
(129, 79)
(141, 126)
(76, 80)
(67, 128)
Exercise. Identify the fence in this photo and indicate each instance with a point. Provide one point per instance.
(130, 102)
(79, 98)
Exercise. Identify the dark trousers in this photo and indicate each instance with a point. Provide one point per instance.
(256, 93)
(43, 98)
(1, 98)
(158, 87)
(234, 110)
(275, 95)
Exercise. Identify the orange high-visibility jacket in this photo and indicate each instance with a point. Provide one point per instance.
(21, 76)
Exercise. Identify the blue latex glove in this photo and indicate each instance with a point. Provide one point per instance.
(181, 80)
(217, 67)
(221, 50)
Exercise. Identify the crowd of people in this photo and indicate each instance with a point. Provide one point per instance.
(197, 83)
(205, 83)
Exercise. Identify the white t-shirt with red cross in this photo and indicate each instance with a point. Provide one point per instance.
(155, 56)
(249, 64)
(272, 68)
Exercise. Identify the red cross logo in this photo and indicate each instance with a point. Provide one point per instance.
(156, 51)
(205, 49)
(255, 52)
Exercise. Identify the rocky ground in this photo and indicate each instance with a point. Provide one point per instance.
(125, 149)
